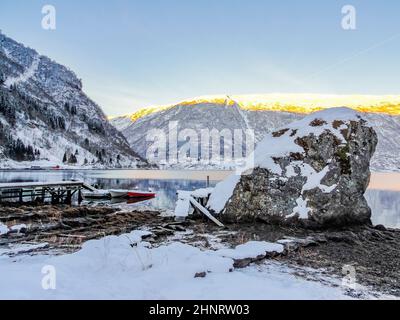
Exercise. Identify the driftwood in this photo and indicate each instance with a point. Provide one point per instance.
(205, 212)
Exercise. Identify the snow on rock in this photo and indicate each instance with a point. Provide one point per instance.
(18, 228)
(301, 210)
(222, 192)
(124, 267)
(315, 169)
(252, 250)
(282, 143)
(3, 229)
(183, 207)
(201, 193)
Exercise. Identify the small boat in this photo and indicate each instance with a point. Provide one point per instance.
(137, 200)
(97, 194)
(141, 194)
(117, 193)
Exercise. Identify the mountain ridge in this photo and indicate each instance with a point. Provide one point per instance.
(230, 114)
(45, 117)
(286, 102)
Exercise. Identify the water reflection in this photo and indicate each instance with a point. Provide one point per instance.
(385, 204)
(385, 207)
(165, 187)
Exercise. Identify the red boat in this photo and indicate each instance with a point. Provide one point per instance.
(140, 194)
(137, 200)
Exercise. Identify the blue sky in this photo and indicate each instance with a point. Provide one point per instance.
(132, 53)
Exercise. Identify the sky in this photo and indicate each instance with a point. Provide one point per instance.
(135, 53)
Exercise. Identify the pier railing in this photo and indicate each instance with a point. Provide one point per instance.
(57, 192)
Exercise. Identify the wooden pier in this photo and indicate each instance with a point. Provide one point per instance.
(57, 192)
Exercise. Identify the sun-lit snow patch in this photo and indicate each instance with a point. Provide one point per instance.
(309, 102)
(303, 103)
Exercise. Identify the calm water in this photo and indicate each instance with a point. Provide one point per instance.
(383, 194)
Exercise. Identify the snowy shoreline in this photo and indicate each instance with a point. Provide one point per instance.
(126, 267)
(157, 258)
(75, 168)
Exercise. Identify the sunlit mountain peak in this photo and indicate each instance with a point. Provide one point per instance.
(292, 102)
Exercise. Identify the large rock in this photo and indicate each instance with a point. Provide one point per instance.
(314, 171)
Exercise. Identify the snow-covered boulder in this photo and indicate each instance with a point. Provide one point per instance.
(315, 170)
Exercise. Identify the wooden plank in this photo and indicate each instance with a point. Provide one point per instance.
(205, 212)
(88, 187)
(19, 185)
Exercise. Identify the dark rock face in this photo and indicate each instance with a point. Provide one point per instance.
(322, 186)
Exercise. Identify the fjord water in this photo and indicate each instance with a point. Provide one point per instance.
(383, 194)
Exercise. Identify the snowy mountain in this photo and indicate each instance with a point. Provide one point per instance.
(46, 117)
(263, 117)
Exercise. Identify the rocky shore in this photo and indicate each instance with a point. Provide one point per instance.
(64, 228)
(371, 251)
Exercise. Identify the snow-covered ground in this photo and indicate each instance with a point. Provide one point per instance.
(126, 267)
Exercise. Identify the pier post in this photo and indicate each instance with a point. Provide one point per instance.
(53, 197)
(20, 195)
(68, 200)
(208, 181)
(62, 192)
(80, 196)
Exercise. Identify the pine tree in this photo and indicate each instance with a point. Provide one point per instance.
(72, 159)
(73, 110)
(65, 158)
(66, 107)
